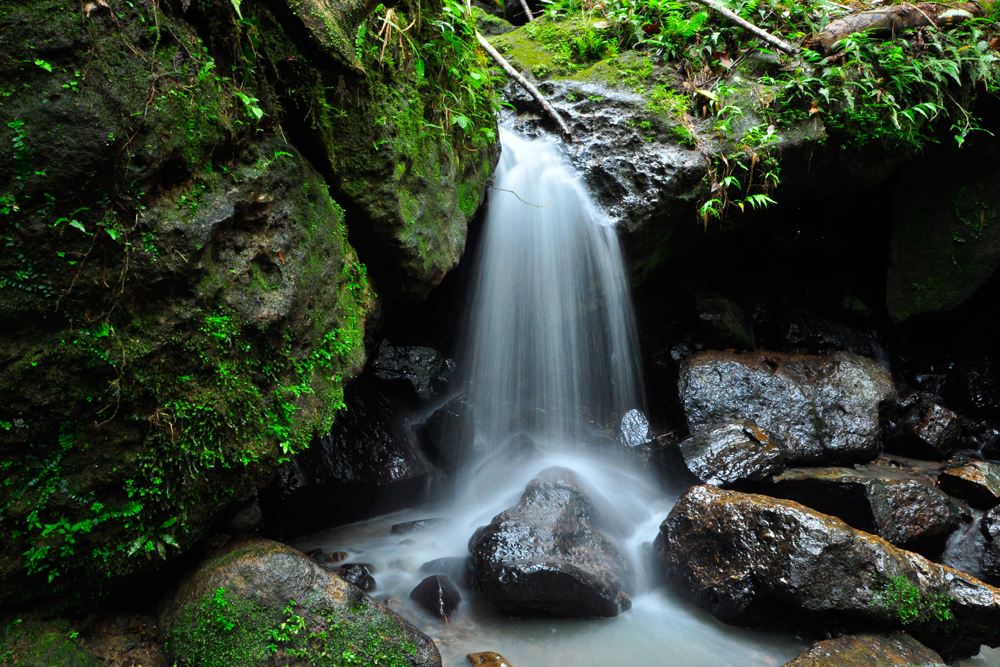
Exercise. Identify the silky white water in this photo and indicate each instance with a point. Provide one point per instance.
(549, 350)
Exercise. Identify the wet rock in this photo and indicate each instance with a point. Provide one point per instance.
(459, 569)
(369, 463)
(989, 562)
(974, 388)
(634, 429)
(546, 556)
(731, 452)
(437, 594)
(336, 557)
(803, 329)
(976, 482)
(981, 435)
(818, 408)
(754, 560)
(869, 650)
(925, 430)
(29, 642)
(425, 369)
(721, 321)
(249, 584)
(909, 513)
(315, 554)
(418, 526)
(450, 433)
(247, 520)
(487, 659)
(359, 574)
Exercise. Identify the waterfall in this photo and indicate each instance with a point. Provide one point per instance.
(550, 341)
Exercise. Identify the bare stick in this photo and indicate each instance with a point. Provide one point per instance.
(527, 10)
(750, 27)
(567, 133)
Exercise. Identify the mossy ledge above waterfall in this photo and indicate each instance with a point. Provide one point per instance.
(685, 125)
(181, 297)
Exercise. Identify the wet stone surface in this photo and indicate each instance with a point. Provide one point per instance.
(869, 650)
(818, 408)
(976, 482)
(731, 452)
(438, 595)
(546, 556)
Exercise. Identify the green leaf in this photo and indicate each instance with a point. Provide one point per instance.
(78, 225)
(44, 65)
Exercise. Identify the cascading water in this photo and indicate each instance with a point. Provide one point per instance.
(550, 342)
(550, 350)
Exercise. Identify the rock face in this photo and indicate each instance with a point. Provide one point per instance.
(989, 562)
(945, 237)
(818, 408)
(182, 305)
(437, 594)
(425, 369)
(731, 452)
(869, 650)
(226, 612)
(546, 556)
(910, 513)
(450, 433)
(925, 430)
(754, 560)
(976, 482)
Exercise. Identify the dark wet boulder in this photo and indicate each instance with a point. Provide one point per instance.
(437, 594)
(516, 452)
(418, 526)
(976, 482)
(369, 463)
(869, 650)
(759, 561)
(547, 556)
(449, 433)
(818, 408)
(981, 435)
(732, 452)
(989, 561)
(634, 429)
(359, 574)
(908, 512)
(228, 608)
(804, 329)
(422, 370)
(925, 429)
(974, 388)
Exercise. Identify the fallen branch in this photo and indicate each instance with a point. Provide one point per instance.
(527, 10)
(893, 19)
(750, 27)
(567, 132)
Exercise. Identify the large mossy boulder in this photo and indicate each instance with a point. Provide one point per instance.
(181, 302)
(870, 649)
(258, 602)
(945, 229)
(754, 560)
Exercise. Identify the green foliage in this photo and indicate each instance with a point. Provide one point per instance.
(911, 605)
(227, 629)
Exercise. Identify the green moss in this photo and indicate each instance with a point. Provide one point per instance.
(224, 630)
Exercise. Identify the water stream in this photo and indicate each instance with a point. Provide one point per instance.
(550, 351)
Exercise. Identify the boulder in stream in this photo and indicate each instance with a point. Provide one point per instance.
(925, 430)
(760, 561)
(731, 452)
(546, 555)
(437, 594)
(869, 650)
(825, 408)
(450, 433)
(239, 604)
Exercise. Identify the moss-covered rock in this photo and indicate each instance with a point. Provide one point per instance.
(945, 229)
(183, 306)
(258, 602)
(34, 643)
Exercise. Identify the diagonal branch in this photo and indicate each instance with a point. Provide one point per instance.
(763, 35)
(567, 132)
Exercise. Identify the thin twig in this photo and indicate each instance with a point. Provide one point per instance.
(519, 197)
(567, 132)
(527, 10)
(746, 25)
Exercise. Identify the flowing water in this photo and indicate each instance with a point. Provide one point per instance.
(550, 351)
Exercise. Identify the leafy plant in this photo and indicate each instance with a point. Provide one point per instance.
(910, 604)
